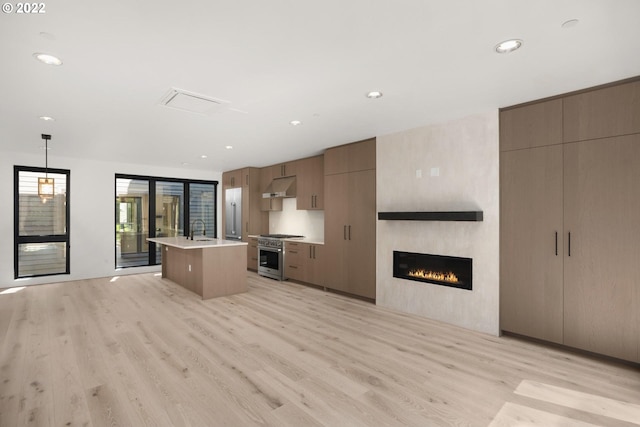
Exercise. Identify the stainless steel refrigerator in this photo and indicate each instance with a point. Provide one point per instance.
(233, 214)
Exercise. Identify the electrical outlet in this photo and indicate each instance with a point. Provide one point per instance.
(435, 171)
(418, 173)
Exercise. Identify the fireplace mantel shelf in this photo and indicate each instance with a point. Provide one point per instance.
(432, 216)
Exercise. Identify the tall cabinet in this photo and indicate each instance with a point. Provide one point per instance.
(350, 218)
(570, 228)
(254, 221)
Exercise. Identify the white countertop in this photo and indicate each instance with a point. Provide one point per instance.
(198, 242)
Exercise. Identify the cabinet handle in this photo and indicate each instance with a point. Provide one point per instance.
(314, 252)
(293, 266)
(309, 251)
(556, 243)
(247, 179)
(569, 244)
(344, 232)
(349, 232)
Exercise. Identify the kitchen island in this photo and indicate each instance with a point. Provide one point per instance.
(209, 267)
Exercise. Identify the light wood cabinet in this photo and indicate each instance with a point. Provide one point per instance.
(254, 221)
(357, 156)
(531, 258)
(252, 254)
(232, 179)
(579, 288)
(284, 169)
(209, 272)
(268, 204)
(350, 220)
(304, 262)
(533, 125)
(601, 271)
(601, 113)
(310, 183)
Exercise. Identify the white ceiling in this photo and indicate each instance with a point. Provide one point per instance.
(275, 61)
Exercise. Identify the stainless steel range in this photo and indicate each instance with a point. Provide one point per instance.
(271, 255)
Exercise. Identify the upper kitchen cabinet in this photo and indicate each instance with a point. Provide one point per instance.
(270, 203)
(532, 125)
(232, 179)
(310, 182)
(284, 169)
(357, 156)
(606, 112)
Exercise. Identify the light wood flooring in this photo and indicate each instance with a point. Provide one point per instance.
(141, 351)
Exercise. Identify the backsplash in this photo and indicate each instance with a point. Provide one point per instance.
(292, 221)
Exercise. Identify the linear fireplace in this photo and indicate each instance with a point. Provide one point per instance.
(437, 269)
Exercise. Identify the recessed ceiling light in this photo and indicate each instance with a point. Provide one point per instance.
(374, 94)
(508, 46)
(229, 147)
(204, 156)
(295, 122)
(47, 119)
(47, 59)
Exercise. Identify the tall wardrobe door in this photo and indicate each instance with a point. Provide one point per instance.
(531, 230)
(602, 251)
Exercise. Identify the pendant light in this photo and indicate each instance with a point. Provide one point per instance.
(45, 185)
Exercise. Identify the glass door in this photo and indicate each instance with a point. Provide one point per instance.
(132, 223)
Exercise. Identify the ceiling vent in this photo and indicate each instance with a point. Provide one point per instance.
(193, 102)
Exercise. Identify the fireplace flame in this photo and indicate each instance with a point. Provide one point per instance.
(449, 277)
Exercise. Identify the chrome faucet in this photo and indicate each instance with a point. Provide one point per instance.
(204, 231)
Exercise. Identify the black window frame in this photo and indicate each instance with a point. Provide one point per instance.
(152, 210)
(50, 238)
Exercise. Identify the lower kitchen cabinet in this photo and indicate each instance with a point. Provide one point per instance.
(252, 254)
(304, 262)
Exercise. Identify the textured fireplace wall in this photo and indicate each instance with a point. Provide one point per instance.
(458, 165)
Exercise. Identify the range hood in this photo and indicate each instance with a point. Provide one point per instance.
(281, 187)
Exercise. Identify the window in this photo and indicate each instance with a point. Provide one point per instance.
(41, 225)
(176, 203)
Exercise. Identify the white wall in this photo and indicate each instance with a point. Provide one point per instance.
(465, 152)
(92, 213)
(292, 221)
